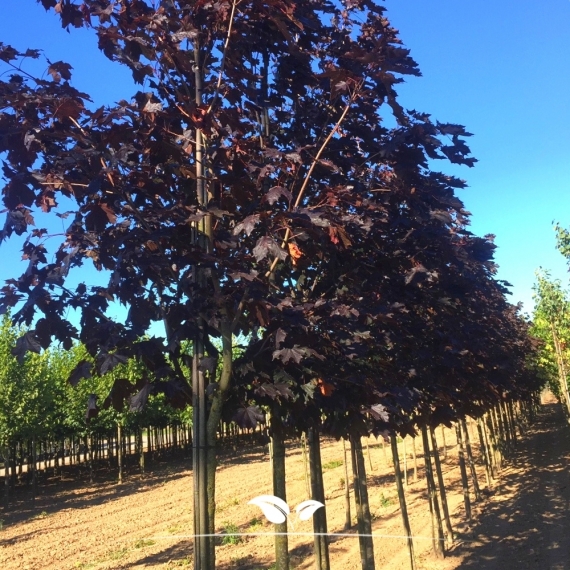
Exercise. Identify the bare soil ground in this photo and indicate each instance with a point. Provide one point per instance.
(522, 522)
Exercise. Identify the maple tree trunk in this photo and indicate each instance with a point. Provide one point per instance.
(462, 468)
(484, 452)
(471, 461)
(519, 420)
(437, 528)
(279, 490)
(441, 485)
(505, 430)
(318, 494)
(363, 517)
(415, 458)
(494, 441)
(402, 499)
(513, 422)
(213, 420)
(500, 436)
(305, 463)
(347, 515)
(202, 556)
(405, 462)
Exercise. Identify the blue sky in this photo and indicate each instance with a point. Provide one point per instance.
(501, 68)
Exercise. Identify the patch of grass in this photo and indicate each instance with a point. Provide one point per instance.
(117, 554)
(85, 565)
(174, 529)
(142, 542)
(42, 515)
(231, 532)
(386, 501)
(332, 464)
(1, 524)
(255, 523)
(182, 563)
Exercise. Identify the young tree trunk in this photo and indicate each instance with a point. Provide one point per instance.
(278, 447)
(514, 421)
(443, 440)
(34, 468)
(494, 442)
(441, 485)
(141, 449)
(505, 429)
(464, 481)
(318, 494)
(415, 458)
(347, 515)
(362, 505)
(13, 466)
(6, 454)
(202, 554)
(500, 434)
(484, 452)
(213, 420)
(89, 445)
(402, 499)
(120, 451)
(519, 419)
(305, 463)
(55, 459)
(436, 526)
(471, 461)
(405, 462)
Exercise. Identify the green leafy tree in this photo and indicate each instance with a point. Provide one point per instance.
(551, 324)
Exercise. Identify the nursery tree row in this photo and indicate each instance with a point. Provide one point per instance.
(264, 184)
(44, 419)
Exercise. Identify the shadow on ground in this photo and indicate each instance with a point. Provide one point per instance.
(525, 524)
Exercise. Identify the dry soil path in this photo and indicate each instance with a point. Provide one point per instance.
(525, 524)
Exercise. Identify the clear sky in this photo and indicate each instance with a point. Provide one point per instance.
(500, 67)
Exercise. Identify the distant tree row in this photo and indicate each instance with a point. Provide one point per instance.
(39, 406)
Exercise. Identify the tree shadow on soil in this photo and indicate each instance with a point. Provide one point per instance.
(79, 493)
(526, 522)
(181, 553)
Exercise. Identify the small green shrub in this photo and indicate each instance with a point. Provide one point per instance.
(231, 532)
(332, 464)
(386, 501)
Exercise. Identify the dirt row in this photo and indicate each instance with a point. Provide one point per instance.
(146, 522)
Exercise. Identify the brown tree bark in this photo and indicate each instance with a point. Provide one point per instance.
(363, 517)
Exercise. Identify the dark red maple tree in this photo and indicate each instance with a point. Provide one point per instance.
(249, 187)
